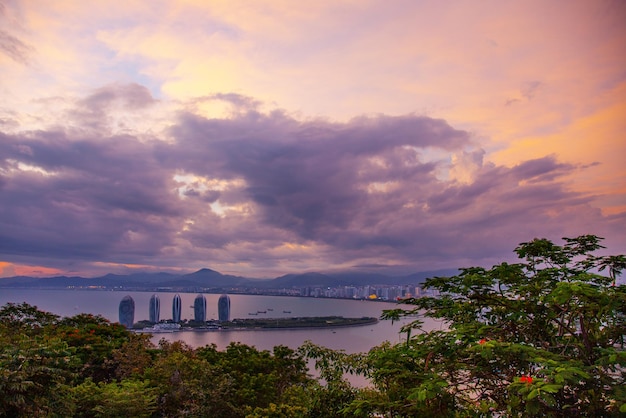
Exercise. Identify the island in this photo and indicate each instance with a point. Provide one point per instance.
(255, 324)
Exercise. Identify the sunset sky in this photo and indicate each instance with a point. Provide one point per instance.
(261, 138)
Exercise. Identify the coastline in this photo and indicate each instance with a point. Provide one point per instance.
(303, 323)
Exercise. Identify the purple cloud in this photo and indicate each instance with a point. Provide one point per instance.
(95, 110)
(219, 192)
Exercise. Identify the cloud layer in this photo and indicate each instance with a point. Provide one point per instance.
(264, 193)
(267, 137)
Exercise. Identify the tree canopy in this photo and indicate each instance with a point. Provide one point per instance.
(541, 337)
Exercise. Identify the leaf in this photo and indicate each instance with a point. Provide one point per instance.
(549, 399)
(551, 388)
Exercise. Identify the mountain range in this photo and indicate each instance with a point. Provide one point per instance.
(207, 278)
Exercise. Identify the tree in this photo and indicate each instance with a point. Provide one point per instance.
(332, 395)
(255, 380)
(541, 337)
(133, 358)
(130, 398)
(35, 366)
(233, 383)
(26, 318)
(94, 340)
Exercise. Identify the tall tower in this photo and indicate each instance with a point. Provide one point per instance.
(176, 308)
(199, 308)
(155, 309)
(223, 308)
(127, 312)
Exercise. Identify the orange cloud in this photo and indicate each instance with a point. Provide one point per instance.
(10, 269)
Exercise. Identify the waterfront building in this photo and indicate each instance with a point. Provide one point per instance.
(176, 308)
(199, 308)
(127, 312)
(223, 308)
(155, 309)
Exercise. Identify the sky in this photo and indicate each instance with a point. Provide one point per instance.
(267, 137)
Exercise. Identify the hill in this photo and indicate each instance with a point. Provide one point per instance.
(210, 279)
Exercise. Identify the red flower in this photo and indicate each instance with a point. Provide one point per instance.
(483, 341)
(526, 379)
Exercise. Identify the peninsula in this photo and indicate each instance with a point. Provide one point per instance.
(257, 323)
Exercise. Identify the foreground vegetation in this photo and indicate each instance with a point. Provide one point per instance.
(543, 337)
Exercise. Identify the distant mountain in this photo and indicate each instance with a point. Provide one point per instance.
(421, 276)
(353, 279)
(211, 278)
(207, 278)
(17, 280)
(350, 278)
(143, 278)
(57, 281)
(305, 279)
(109, 280)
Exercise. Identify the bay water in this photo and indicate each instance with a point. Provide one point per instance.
(357, 339)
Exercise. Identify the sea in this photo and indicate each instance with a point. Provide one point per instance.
(358, 339)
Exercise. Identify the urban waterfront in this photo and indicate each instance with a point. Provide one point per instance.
(350, 339)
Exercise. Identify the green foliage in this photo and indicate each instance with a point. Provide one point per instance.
(94, 340)
(552, 319)
(186, 385)
(232, 383)
(129, 398)
(132, 358)
(278, 411)
(35, 373)
(25, 319)
(85, 366)
(333, 394)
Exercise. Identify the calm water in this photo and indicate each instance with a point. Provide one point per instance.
(351, 339)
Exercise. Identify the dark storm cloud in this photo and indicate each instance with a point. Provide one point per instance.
(82, 197)
(310, 177)
(368, 190)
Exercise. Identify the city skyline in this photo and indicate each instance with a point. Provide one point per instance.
(266, 138)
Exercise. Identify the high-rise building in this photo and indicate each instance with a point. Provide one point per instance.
(223, 308)
(176, 308)
(127, 312)
(199, 308)
(155, 309)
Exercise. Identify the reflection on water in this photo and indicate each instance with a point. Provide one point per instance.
(349, 339)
